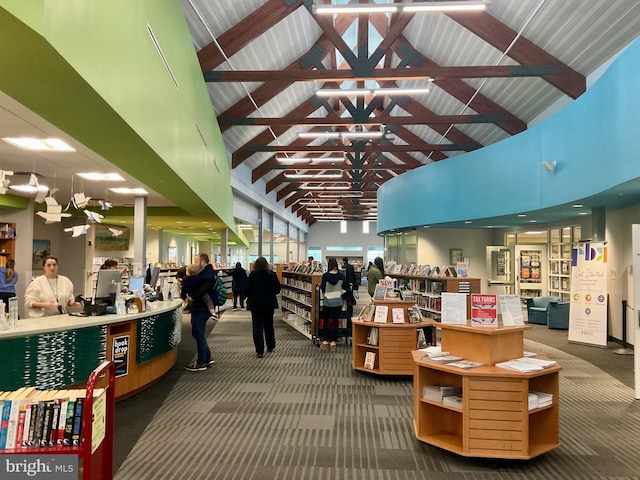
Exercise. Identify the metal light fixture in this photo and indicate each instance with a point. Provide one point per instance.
(291, 160)
(359, 92)
(409, 7)
(549, 166)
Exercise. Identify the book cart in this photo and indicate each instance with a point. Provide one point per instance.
(495, 420)
(95, 452)
(300, 301)
(395, 342)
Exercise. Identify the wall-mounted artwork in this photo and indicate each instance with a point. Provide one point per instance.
(106, 240)
(41, 249)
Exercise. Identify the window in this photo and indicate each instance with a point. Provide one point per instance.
(343, 226)
(365, 226)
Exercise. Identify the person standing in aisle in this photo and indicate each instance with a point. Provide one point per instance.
(350, 279)
(332, 287)
(8, 280)
(202, 284)
(262, 288)
(239, 285)
(374, 275)
(49, 294)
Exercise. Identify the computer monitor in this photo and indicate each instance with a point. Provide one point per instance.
(107, 285)
(155, 273)
(136, 283)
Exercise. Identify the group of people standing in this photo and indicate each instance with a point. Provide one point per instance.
(258, 290)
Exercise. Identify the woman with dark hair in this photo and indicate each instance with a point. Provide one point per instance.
(262, 288)
(332, 287)
(239, 285)
(49, 294)
(374, 275)
(8, 280)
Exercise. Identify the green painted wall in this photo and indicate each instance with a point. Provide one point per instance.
(92, 69)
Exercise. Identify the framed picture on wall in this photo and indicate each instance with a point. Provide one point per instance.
(455, 256)
(105, 239)
(41, 249)
(172, 254)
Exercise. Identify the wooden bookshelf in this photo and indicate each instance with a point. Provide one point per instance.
(494, 421)
(300, 301)
(395, 342)
(7, 242)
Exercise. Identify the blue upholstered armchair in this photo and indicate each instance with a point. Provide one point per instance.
(558, 315)
(537, 309)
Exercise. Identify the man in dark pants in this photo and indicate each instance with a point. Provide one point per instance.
(196, 287)
(350, 280)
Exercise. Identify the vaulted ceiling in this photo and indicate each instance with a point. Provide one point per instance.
(489, 75)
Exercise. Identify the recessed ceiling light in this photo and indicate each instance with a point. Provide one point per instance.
(577, 205)
(533, 221)
(129, 191)
(468, 221)
(521, 215)
(583, 213)
(109, 177)
(40, 144)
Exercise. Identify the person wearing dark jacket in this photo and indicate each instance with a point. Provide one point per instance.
(239, 285)
(332, 287)
(196, 287)
(262, 288)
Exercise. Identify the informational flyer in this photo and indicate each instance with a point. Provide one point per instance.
(484, 310)
(511, 309)
(454, 308)
(120, 355)
(588, 311)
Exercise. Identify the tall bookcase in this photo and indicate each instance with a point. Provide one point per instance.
(300, 301)
(495, 420)
(428, 290)
(7, 242)
(560, 251)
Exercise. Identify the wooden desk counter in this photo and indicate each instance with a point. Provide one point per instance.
(62, 350)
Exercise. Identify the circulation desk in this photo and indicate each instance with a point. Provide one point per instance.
(62, 350)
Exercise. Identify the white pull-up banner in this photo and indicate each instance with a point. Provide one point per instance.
(588, 312)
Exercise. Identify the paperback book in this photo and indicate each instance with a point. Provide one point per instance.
(381, 314)
(370, 360)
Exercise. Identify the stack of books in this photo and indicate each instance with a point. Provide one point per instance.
(539, 399)
(436, 393)
(454, 401)
(526, 364)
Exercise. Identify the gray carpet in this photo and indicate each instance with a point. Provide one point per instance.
(301, 413)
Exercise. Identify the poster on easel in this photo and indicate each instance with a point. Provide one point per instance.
(588, 312)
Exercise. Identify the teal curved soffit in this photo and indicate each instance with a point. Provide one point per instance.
(594, 142)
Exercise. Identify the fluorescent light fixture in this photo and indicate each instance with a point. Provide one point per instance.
(40, 144)
(412, 7)
(340, 195)
(27, 188)
(336, 135)
(328, 187)
(313, 175)
(107, 177)
(362, 134)
(319, 135)
(359, 92)
(129, 191)
(290, 160)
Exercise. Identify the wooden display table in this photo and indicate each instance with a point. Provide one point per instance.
(494, 420)
(394, 346)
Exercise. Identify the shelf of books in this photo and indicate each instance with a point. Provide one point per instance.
(427, 283)
(7, 242)
(74, 427)
(383, 336)
(560, 270)
(473, 399)
(300, 300)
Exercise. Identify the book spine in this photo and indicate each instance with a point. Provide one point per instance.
(55, 418)
(27, 425)
(13, 424)
(32, 425)
(37, 434)
(62, 422)
(77, 422)
(4, 423)
(46, 425)
(22, 415)
(68, 428)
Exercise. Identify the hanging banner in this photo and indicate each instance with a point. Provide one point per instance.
(588, 312)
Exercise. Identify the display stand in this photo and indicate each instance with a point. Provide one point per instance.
(394, 345)
(300, 301)
(494, 420)
(96, 461)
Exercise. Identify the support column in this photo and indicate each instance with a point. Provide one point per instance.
(224, 245)
(598, 224)
(139, 236)
(260, 230)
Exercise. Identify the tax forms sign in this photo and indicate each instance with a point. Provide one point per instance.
(588, 312)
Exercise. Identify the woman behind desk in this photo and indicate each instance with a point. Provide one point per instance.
(8, 280)
(49, 294)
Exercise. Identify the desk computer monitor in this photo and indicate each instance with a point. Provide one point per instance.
(136, 283)
(155, 273)
(107, 285)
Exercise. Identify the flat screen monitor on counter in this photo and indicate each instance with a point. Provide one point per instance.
(107, 285)
(136, 283)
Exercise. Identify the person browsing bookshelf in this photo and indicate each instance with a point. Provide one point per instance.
(262, 288)
(374, 275)
(332, 287)
(50, 294)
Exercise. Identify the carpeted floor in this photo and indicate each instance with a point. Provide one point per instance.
(301, 413)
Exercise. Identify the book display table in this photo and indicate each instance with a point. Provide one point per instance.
(394, 344)
(495, 420)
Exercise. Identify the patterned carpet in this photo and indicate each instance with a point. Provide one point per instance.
(302, 413)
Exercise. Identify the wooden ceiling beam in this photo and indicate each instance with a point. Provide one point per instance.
(250, 27)
(523, 51)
